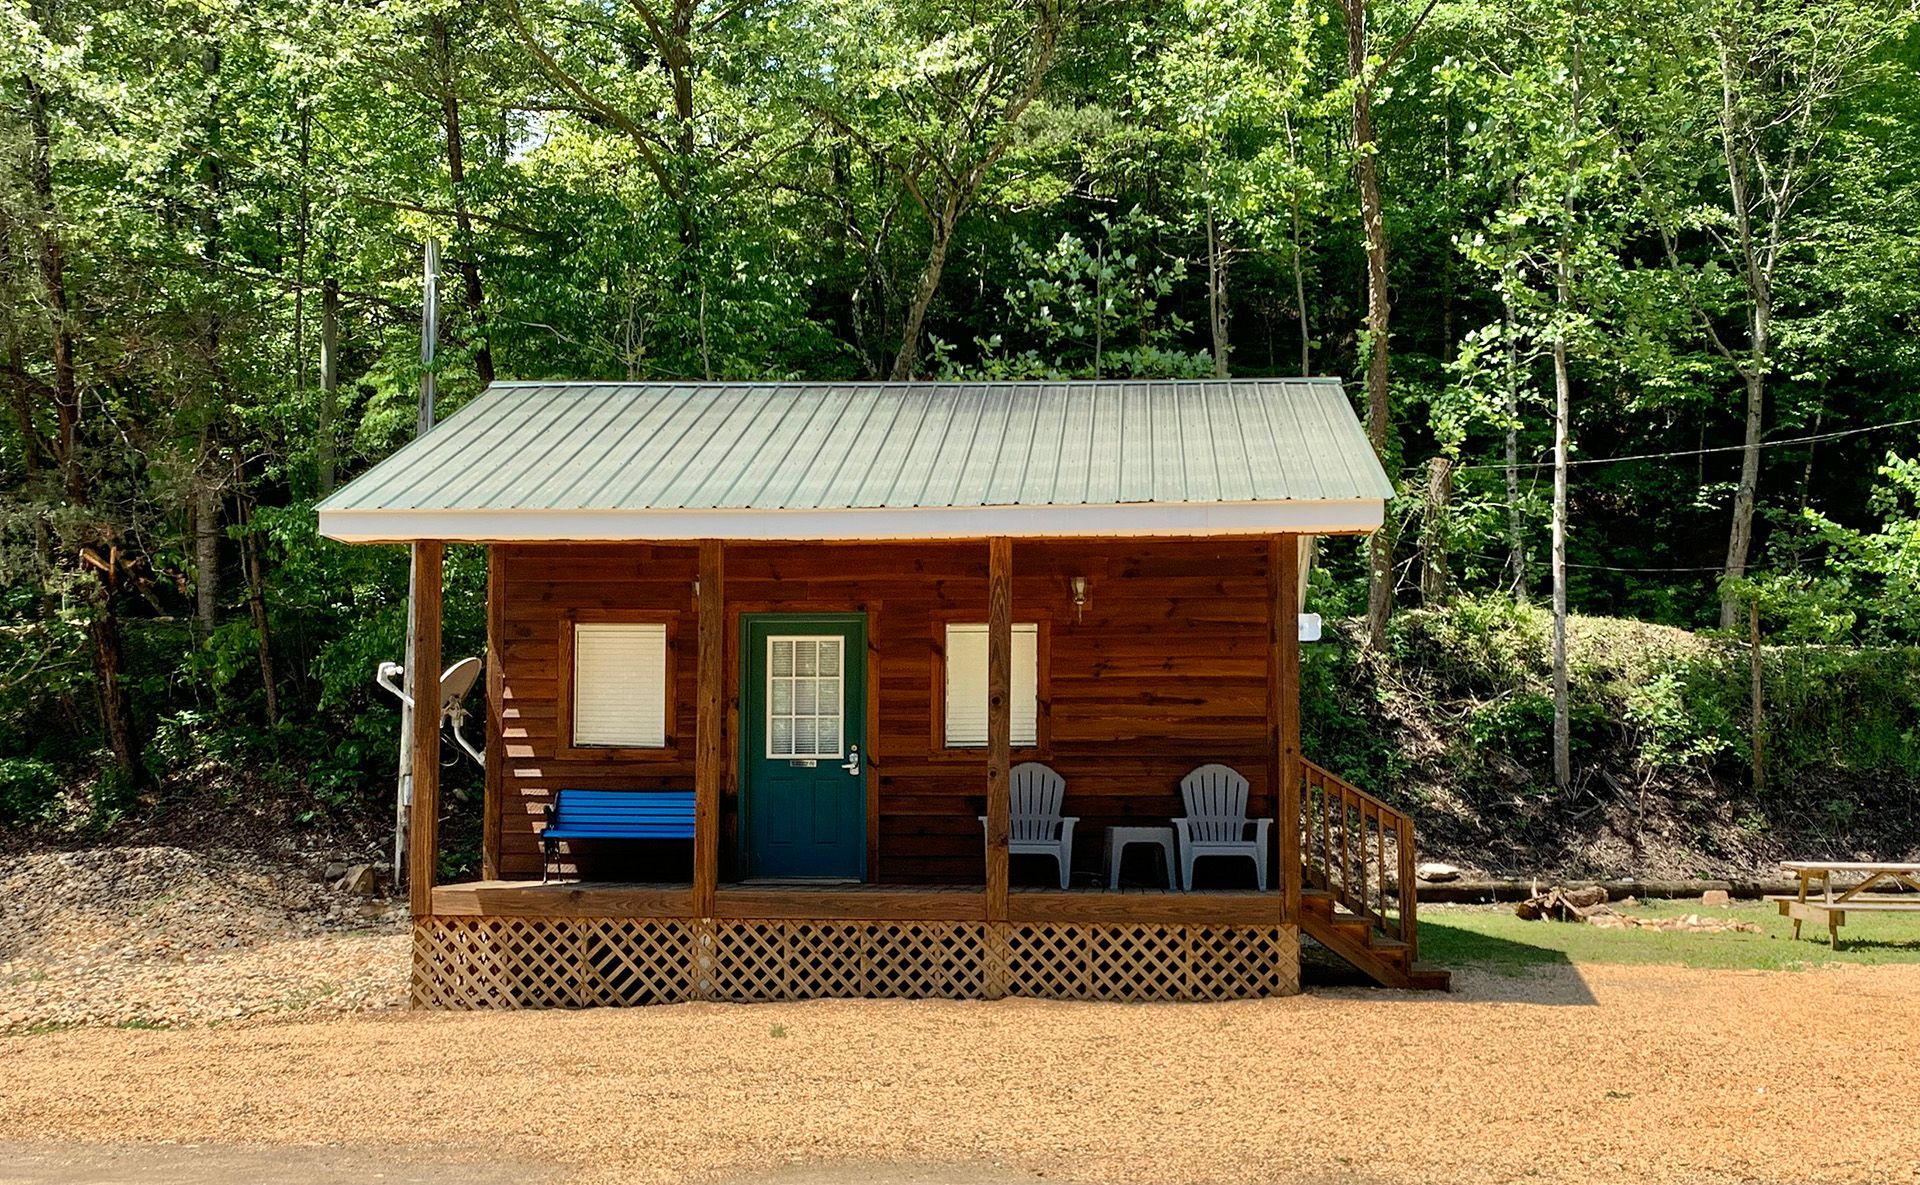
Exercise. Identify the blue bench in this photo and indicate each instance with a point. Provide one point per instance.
(616, 814)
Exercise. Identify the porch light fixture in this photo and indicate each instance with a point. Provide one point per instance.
(1079, 586)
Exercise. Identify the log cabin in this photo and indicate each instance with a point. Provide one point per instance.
(840, 627)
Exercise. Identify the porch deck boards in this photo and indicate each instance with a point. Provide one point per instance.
(855, 902)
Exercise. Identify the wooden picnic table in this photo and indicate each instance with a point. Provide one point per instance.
(1882, 887)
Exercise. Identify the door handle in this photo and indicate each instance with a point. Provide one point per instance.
(852, 763)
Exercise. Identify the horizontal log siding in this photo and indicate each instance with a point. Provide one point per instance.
(1166, 670)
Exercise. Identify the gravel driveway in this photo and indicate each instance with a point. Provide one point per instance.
(1596, 1074)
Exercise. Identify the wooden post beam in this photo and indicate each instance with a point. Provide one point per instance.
(1283, 709)
(423, 687)
(709, 764)
(493, 713)
(999, 719)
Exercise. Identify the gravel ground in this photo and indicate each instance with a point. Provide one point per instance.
(161, 936)
(1612, 1074)
(279, 1043)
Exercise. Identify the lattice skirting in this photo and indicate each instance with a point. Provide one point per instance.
(468, 962)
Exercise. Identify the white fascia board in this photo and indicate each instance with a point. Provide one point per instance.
(1345, 517)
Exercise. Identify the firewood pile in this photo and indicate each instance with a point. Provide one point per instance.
(1562, 904)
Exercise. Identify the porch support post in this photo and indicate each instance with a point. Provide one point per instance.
(999, 719)
(709, 766)
(493, 714)
(423, 688)
(1283, 709)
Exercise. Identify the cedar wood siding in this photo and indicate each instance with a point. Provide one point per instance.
(1167, 670)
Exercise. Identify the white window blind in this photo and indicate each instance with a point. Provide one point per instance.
(620, 684)
(967, 685)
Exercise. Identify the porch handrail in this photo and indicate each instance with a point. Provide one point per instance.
(1349, 842)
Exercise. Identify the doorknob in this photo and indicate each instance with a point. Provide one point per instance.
(852, 763)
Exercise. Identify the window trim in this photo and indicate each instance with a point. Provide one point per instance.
(1042, 748)
(669, 748)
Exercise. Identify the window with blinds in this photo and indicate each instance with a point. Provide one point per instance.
(620, 684)
(966, 711)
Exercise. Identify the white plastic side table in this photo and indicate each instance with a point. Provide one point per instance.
(1119, 837)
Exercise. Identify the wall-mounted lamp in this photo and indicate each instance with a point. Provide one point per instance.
(1079, 586)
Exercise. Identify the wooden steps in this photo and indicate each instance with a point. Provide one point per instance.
(1386, 960)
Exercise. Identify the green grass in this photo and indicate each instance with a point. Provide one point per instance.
(1491, 936)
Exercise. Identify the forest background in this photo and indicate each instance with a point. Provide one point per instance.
(1626, 291)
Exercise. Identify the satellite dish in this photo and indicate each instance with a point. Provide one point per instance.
(456, 681)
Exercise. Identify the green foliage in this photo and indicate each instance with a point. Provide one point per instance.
(1059, 192)
(1875, 575)
(1339, 711)
(1679, 719)
(29, 789)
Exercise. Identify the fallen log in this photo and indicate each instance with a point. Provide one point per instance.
(1484, 892)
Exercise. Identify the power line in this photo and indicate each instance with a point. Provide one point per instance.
(1501, 561)
(1612, 568)
(1689, 452)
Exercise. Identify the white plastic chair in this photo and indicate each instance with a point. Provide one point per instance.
(1216, 822)
(1035, 825)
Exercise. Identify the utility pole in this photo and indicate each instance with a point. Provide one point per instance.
(422, 688)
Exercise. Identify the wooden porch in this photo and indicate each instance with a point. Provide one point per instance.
(859, 902)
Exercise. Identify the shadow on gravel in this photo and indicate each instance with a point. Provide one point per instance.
(956, 1174)
(1484, 968)
(209, 1164)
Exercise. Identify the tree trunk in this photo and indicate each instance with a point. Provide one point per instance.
(66, 397)
(1806, 474)
(1510, 382)
(303, 220)
(31, 457)
(329, 383)
(1515, 521)
(1562, 432)
(1373, 224)
(457, 182)
(1216, 295)
(1740, 538)
(1735, 136)
(257, 604)
(206, 556)
(909, 356)
(1759, 695)
(103, 628)
(1562, 407)
(1434, 575)
(109, 665)
(1299, 263)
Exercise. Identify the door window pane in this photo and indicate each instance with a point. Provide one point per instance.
(803, 697)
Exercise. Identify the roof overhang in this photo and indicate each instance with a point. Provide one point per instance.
(1151, 519)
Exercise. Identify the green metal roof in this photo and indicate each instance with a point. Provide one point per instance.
(603, 460)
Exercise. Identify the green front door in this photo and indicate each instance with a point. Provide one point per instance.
(803, 697)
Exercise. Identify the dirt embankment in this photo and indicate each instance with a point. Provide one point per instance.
(162, 936)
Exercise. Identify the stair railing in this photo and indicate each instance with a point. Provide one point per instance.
(1360, 851)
